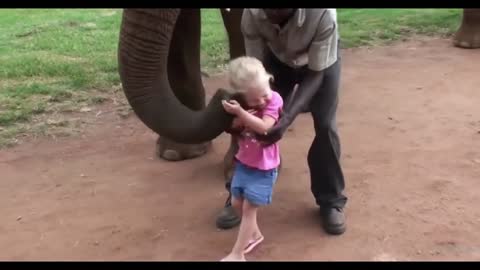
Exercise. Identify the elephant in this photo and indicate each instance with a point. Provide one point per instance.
(159, 67)
(159, 51)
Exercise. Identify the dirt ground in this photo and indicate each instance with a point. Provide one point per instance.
(409, 122)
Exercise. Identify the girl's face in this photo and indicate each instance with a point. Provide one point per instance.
(257, 98)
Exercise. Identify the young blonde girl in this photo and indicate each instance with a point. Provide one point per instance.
(256, 165)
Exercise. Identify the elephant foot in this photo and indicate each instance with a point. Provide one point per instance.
(468, 35)
(467, 40)
(172, 151)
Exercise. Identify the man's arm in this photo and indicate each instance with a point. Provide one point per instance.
(321, 55)
(304, 94)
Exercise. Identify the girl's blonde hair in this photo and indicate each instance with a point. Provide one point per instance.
(247, 72)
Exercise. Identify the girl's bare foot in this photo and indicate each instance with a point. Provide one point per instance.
(256, 235)
(234, 258)
(254, 238)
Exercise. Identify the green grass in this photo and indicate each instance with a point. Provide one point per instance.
(51, 57)
(360, 27)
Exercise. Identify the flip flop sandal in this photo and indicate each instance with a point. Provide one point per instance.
(252, 244)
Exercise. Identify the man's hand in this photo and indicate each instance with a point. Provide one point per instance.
(275, 133)
(300, 98)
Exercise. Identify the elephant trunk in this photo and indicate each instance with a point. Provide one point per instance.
(145, 38)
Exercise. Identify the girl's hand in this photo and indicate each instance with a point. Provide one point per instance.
(232, 106)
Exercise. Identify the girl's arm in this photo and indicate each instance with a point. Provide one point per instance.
(257, 124)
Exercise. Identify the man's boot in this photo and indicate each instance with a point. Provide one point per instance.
(333, 220)
(228, 217)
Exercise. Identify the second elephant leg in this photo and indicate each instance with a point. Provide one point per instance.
(232, 21)
(185, 78)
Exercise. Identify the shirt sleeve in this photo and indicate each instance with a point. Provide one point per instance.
(254, 43)
(274, 107)
(323, 50)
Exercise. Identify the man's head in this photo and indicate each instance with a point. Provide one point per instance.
(279, 15)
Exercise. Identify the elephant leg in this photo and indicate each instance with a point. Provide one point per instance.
(185, 78)
(231, 21)
(468, 35)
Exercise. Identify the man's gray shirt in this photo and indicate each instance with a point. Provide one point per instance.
(309, 37)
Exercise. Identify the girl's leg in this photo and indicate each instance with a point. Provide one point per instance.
(256, 234)
(247, 229)
(237, 204)
(255, 239)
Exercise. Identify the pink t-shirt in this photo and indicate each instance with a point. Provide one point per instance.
(254, 154)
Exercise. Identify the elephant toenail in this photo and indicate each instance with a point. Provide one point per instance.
(171, 155)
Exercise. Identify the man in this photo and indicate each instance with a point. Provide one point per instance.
(300, 46)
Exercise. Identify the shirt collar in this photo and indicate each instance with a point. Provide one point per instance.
(299, 15)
